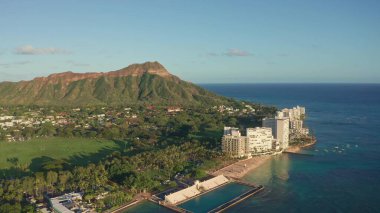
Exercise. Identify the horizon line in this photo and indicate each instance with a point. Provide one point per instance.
(290, 83)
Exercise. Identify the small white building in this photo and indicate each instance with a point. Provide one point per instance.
(196, 189)
(65, 203)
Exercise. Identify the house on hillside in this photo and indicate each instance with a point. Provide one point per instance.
(173, 109)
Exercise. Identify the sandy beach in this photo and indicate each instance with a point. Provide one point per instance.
(239, 169)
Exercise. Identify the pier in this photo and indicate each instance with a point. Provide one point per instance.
(237, 200)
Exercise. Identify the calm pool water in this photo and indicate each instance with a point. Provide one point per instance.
(215, 198)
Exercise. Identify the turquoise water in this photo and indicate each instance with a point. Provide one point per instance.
(215, 198)
(343, 173)
(147, 207)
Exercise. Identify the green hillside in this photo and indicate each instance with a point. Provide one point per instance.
(150, 83)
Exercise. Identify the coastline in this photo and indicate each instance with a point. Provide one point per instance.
(239, 169)
(298, 148)
(235, 171)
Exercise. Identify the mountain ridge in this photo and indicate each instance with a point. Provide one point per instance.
(133, 69)
(148, 82)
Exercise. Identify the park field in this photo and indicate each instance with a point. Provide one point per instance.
(30, 155)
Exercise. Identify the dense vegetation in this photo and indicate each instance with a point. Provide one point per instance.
(131, 108)
(119, 175)
(154, 147)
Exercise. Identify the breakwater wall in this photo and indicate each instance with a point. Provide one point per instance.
(124, 207)
(174, 208)
(237, 200)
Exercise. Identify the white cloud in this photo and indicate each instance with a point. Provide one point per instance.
(237, 52)
(30, 50)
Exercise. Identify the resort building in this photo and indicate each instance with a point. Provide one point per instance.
(280, 130)
(287, 123)
(273, 136)
(257, 141)
(296, 116)
(233, 143)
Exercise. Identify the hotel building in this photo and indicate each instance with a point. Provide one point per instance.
(233, 143)
(296, 116)
(257, 141)
(280, 130)
(288, 122)
(273, 136)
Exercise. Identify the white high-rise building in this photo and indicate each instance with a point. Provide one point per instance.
(296, 116)
(259, 140)
(286, 122)
(280, 130)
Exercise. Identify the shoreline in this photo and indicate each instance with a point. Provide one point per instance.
(239, 169)
(235, 171)
(298, 148)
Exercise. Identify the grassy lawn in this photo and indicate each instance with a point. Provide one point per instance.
(76, 151)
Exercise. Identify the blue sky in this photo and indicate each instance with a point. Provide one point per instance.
(203, 41)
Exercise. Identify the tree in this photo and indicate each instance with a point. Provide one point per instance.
(63, 178)
(28, 209)
(51, 178)
(115, 199)
(28, 132)
(39, 185)
(8, 208)
(232, 121)
(47, 129)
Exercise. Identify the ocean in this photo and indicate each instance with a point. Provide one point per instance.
(342, 174)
